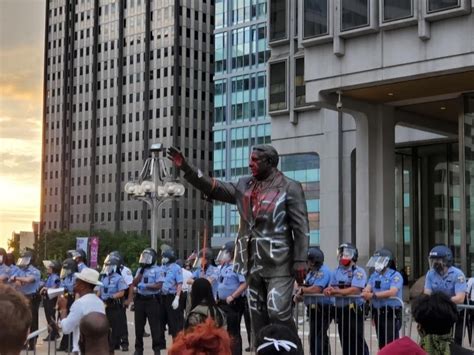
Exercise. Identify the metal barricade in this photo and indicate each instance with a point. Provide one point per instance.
(36, 334)
(348, 324)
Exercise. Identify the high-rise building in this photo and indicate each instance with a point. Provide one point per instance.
(119, 76)
(240, 112)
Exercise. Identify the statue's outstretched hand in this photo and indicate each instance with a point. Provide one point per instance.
(175, 155)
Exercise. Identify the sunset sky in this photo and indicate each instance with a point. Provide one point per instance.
(21, 78)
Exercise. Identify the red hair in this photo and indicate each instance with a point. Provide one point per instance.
(202, 339)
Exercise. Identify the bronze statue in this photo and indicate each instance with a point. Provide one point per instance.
(272, 243)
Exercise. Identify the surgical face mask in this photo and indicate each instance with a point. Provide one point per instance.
(223, 257)
(165, 261)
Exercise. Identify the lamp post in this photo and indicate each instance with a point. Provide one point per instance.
(155, 186)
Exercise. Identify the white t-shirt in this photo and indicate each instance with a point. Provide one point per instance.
(127, 275)
(86, 304)
(186, 276)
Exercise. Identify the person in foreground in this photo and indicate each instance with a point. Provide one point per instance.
(205, 338)
(277, 339)
(436, 315)
(87, 302)
(94, 334)
(15, 320)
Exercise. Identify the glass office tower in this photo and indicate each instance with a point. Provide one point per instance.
(240, 111)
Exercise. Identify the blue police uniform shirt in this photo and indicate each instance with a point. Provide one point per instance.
(151, 275)
(228, 281)
(52, 281)
(353, 276)
(320, 278)
(384, 282)
(450, 283)
(5, 270)
(29, 288)
(111, 284)
(212, 272)
(172, 276)
(81, 267)
(68, 283)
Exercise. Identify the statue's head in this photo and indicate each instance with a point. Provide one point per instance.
(263, 160)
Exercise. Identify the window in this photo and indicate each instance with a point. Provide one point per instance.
(316, 18)
(278, 20)
(354, 14)
(220, 101)
(397, 9)
(300, 89)
(221, 52)
(440, 5)
(305, 169)
(277, 88)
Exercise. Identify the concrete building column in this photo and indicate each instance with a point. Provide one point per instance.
(375, 180)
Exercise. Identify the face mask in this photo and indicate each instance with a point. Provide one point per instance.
(345, 262)
(165, 261)
(439, 268)
(379, 267)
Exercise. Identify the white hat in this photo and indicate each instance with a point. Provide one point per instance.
(89, 275)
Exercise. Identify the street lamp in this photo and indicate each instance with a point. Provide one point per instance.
(155, 185)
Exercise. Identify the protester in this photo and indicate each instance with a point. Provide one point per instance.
(436, 314)
(68, 270)
(402, 346)
(277, 339)
(49, 305)
(86, 303)
(15, 320)
(385, 282)
(94, 334)
(186, 287)
(203, 305)
(203, 339)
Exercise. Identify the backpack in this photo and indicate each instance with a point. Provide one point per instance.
(200, 313)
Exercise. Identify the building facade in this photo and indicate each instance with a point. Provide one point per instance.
(240, 111)
(119, 76)
(382, 92)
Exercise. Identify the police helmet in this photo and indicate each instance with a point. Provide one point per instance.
(118, 255)
(316, 256)
(111, 264)
(147, 257)
(381, 259)
(168, 256)
(348, 251)
(55, 266)
(226, 252)
(441, 253)
(25, 259)
(69, 266)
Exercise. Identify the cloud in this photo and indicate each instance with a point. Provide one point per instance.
(28, 129)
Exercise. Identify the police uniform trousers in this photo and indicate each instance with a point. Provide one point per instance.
(270, 302)
(387, 322)
(66, 340)
(320, 317)
(350, 324)
(113, 311)
(50, 315)
(35, 301)
(233, 313)
(173, 318)
(147, 307)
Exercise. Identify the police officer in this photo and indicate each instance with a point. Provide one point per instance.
(79, 257)
(4, 268)
(348, 280)
(385, 282)
(26, 279)
(204, 267)
(170, 311)
(319, 308)
(112, 293)
(446, 278)
(69, 268)
(148, 282)
(128, 299)
(230, 287)
(53, 268)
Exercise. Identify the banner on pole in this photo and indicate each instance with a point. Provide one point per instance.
(94, 245)
(81, 243)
